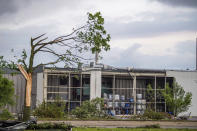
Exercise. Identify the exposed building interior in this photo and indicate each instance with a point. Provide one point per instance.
(124, 91)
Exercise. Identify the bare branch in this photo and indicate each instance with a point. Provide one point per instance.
(49, 63)
(71, 33)
(39, 42)
(50, 43)
(63, 55)
(38, 37)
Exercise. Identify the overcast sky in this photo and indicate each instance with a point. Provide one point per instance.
(157, 34)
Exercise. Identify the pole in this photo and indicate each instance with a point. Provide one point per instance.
(196, 53)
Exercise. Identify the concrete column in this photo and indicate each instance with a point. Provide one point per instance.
(45, 87)
(134, 94)
(95, 84)
(40, 89)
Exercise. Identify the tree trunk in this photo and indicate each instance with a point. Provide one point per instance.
(27, 108)
(28, 90)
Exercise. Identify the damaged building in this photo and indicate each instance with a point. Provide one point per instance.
(125, 90)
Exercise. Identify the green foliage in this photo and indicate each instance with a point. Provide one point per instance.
(6, 64)
(6, 92)
(153, 115)
(90, 109)
(150, 96)
(6, 115)
(47, 126)
(177, 100)
(50, 110)
(95, 34)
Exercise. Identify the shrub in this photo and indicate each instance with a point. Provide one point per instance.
(61, 126)
(5, 115)
(90, 109)
(50, 110)
(153, 115)
(153, 126)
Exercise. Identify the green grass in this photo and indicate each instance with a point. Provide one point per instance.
(129, 129)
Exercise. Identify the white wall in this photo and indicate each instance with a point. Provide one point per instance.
(188, 80)
(39, 98)
(95, 84)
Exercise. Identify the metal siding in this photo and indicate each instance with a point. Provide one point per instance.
(19, 87)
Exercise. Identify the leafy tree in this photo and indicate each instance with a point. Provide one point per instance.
(6, 86)
(177, 100)
(92, 36)
(6, 92)
(4, 64)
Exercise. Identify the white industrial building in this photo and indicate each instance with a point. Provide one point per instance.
(123, 89)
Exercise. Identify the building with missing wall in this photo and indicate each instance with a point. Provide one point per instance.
(124, 89)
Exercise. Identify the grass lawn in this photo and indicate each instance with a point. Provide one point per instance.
(129, 129)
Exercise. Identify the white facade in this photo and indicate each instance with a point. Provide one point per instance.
(188, 80)
(39, 91)
(95, 84)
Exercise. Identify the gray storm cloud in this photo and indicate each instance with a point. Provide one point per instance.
(22, 19)
(179, 3)
(183, 58)
(162, 23)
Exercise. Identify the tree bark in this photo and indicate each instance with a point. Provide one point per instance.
(28, 90)
(28, 77)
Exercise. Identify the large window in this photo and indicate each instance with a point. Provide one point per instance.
(57, 87)
(71, 88)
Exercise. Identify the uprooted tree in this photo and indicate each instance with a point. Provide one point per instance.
(92, 36)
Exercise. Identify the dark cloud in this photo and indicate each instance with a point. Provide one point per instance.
(7, 6)
(162, 23)
(182, 58)
(181, 3)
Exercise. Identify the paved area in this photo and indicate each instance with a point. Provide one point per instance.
(128, 124)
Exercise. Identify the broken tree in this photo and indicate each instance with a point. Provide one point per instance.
(92, 36)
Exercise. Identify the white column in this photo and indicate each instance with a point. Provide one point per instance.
(95, 84)
(45, 87)
(40, 85)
